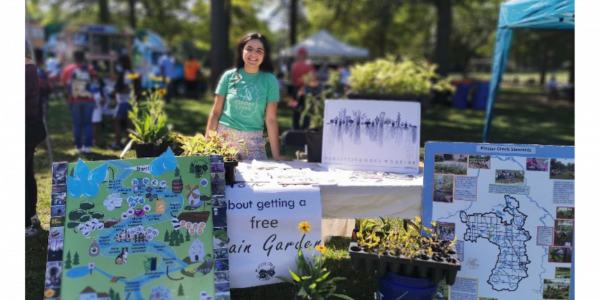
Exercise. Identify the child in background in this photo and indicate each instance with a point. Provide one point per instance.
(97, 116)
(123, 91)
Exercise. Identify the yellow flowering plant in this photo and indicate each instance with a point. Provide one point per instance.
(311, 279)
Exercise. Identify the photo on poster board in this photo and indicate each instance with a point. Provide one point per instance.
(139, 229)
(368, 135)
(513, 226)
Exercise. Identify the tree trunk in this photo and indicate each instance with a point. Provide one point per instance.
(573, 72)
(293, 21)
(219, 28)
(103, 15)
(442, 47)
(544, 66)
(132, 19)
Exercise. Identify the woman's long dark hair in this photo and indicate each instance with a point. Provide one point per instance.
(267, 64)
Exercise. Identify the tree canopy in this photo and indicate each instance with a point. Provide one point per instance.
(401, 28)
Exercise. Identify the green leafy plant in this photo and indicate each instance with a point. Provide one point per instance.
(149, 119)
(315, 96)
(399, 237)
(311, 279)
(404, 77)
(215, 144)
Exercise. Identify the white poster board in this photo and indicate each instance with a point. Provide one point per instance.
(372, 135)
(263, 230)
(512, 210)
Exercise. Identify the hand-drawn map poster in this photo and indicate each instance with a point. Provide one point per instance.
(512, 210)
(367, 135)
(138, 229)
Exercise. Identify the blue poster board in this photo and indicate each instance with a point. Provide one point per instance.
(512, 209)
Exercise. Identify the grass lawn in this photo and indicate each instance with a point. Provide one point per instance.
(522, 116)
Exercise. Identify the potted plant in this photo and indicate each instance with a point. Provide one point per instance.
(311, 279)
(216, 145)
(396, 248)
(389, 79)
(150, 134)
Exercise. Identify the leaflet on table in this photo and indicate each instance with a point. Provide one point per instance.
(370, 178)
(246, 173)
(268, 165)
(287, 176)
(296, 176)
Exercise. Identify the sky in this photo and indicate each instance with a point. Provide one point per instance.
(277, 21)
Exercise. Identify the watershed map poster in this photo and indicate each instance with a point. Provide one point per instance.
(512, 209)
(132, 229)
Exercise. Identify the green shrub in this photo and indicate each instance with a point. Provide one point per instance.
(405, 77)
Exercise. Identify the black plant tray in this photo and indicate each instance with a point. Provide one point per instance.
(400, 265)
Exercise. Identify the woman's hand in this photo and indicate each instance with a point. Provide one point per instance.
(273, 129)
(284, 158)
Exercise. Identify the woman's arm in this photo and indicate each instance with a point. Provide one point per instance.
(215, 114)
(273, 128)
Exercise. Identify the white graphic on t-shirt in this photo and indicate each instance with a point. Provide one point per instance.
(246, 101)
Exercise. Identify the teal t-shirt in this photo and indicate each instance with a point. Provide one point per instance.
(246, 97)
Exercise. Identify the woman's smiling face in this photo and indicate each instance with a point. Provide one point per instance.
(253, 55)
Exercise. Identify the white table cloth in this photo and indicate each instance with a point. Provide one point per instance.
(344, 193)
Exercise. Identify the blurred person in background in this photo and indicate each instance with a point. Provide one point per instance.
(43, 82)
(53, 70)
(123, 89)
(82, 95)
(167, 72)
(32, 110)
(552, 88)
(300, 68)
(191, 69)
(344, 75)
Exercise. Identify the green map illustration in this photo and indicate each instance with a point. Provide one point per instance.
(138, 229)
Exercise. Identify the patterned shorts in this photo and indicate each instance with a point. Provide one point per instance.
(254, 142)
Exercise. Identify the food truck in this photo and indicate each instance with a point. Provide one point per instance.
(102, 43)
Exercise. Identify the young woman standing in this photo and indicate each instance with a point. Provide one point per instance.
(246, 99)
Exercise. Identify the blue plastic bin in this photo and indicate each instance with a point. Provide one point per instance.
(461, 96)
(482, 90)
(392, 286)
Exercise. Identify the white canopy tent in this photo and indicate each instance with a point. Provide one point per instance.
(323, 43)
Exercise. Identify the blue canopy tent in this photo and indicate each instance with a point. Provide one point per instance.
(549, 14)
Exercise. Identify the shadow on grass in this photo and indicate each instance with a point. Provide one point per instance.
(517, 119)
